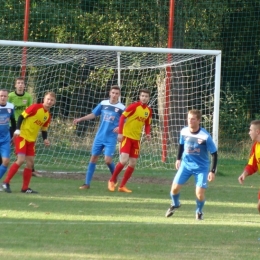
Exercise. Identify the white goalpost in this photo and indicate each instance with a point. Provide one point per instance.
(81, 76)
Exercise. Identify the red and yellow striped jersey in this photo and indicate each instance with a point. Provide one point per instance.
(36, 118)
(137, 116)
(253, 164)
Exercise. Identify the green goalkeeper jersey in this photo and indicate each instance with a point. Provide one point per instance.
(20, 102)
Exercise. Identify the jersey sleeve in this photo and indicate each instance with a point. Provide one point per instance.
(251, 166)
(97, 110)
(31, 110)
(130, 109)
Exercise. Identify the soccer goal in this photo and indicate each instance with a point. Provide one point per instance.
(81, 76)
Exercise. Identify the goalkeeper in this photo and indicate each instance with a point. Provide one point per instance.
(109, 111)
(253, 164)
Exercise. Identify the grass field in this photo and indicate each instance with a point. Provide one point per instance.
(63, 222)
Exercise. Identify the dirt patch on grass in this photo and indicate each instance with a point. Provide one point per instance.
(105, 177)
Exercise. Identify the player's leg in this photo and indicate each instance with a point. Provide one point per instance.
(201, 182)
(35, 173)
(5, 150)
(109, 152)
(180, 178)
(123, 159)
(97, 148)
(27, 172)
(133, 156)
(20, 148)
(258, 204)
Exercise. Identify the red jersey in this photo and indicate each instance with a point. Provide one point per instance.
(253, 164)
(137, 116)
(36, 118)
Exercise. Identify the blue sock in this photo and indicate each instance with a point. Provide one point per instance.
(175, 199)
(111, 167)
(90, 171)
(200, 205)
(3, 169)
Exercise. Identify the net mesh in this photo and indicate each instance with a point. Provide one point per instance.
(82, 78)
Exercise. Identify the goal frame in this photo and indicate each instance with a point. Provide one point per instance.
(119, 49)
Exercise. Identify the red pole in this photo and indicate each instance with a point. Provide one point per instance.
(25, 36)
(167, 84)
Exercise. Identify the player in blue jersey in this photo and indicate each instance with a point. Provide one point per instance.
(6, 116)
(106, 138)
(193, 160)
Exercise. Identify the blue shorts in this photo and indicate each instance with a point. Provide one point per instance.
(200, 176)
(100, 145)
(5, 149)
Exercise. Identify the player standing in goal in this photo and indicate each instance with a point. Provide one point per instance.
(109, 111)
(192, 160)
(6, 116)
(253, 164)
(33, 119)
(21, 100)
(135, 117)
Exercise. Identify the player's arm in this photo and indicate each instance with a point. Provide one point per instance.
(18, 125)
(179, 155)
(120, 127)
(251, 166)
(211, 175)
(147, 126)
(13, 126)
(84, 118)
(214, 162)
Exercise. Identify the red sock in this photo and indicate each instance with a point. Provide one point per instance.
(27, 175)
(12, 171)
(119, 167)
(128, 173)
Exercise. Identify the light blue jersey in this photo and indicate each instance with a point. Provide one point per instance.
(109, 120)
(196, 149)
(6, 112)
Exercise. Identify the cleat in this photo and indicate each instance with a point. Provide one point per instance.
(199, 215)
(111, 186)
(6, 187)
(116, 183)
(124, 189)
(171, 211)
(29, 191)
(36, 174)
(84, 187)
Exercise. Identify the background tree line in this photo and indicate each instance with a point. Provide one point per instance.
(230, 26)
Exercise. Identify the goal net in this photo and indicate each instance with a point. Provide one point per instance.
(81, 76)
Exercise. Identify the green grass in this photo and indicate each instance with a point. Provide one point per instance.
(63, 222)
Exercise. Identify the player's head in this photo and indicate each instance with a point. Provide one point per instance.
(194, 117)
(19, 85)
(49, 100)
(114, 94)
(254, 130)
(3, 97)
(144, 95)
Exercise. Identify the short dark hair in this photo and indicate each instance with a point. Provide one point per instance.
(256, 123)
(195, 112)
(19, 78)
(115, 87)
(145, 90)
